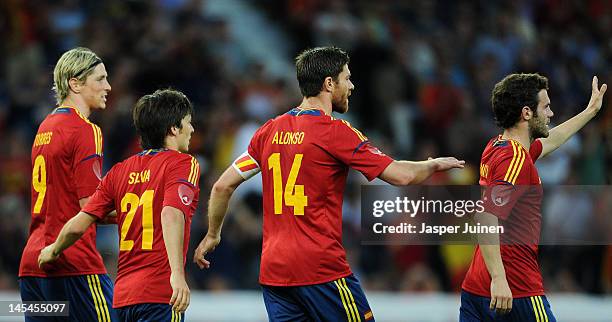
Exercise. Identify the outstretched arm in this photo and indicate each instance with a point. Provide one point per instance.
(561, 133)
(401, 173)
(70, 233)
(217, 208)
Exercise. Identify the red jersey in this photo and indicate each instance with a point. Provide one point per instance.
(508, 163)
(139, 188)
(66, 167)
(304, 157)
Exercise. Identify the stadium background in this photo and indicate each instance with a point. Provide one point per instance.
(423, 72)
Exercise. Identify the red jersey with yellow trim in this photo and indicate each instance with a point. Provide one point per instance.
(513, 193)
(139, 188)
(304, 157)
(66, 167)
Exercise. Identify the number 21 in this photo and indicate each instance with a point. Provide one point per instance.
(134, 202)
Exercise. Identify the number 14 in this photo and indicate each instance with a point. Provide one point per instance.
(294, 194)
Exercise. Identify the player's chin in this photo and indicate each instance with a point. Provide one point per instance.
(341, 108)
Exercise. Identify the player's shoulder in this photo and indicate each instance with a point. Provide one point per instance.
(499, 148)
(184, 157)
(72, 116)
(179, 159)
(344, 127)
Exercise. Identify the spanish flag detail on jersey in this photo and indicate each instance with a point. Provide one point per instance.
(246, 166)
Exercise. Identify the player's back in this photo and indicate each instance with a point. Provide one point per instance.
(140, 187)
(66, 167)
(304, 156)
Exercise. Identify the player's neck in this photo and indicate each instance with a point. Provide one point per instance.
(78, 103)
(519, 135)
(317, 102)
(170, 143)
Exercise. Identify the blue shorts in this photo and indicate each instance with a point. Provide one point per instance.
(149, 312)
(89, 297)
(339, 300)
(525, 309)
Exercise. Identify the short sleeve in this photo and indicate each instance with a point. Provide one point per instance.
(182, 185)
(101, 202)
(500, 191)
(535, 150)
(254, 149)
(87, 159)
(352, 148)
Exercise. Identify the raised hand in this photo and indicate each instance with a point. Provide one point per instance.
(597, 94)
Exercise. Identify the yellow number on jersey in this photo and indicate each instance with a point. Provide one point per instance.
(132, 200)
(294, 194)
(39, 182)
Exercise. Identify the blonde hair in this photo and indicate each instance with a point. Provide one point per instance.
(76, 63)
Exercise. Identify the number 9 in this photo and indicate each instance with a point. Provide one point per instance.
(39, 182)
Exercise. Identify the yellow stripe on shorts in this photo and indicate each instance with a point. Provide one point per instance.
(352, 300)
(94, 295)
(344, 302)
(536, 309)
(543, 310)
(103, 304)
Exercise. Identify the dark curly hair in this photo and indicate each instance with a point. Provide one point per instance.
(513, 93)
(315, 64)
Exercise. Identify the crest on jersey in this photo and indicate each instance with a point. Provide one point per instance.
(374, 150)
(500, 194)
(185, 194)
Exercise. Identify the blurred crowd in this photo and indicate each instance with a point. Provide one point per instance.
(423, 72)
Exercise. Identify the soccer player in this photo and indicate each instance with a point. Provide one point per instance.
(66, 169)
(504, 282)
(155, 194)
(304, 157)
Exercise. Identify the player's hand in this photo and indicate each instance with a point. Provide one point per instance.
(46, 256)
(207, 245)
(443, 164)
(180, 293)
(597, 95)
(501, 296)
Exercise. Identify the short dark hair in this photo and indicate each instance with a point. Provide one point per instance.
(315, 64)
(155, 114)
(513, 93)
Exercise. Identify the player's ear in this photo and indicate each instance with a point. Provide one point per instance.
(526, 113)
(328, 84)
(75, 85)
(174, 131)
